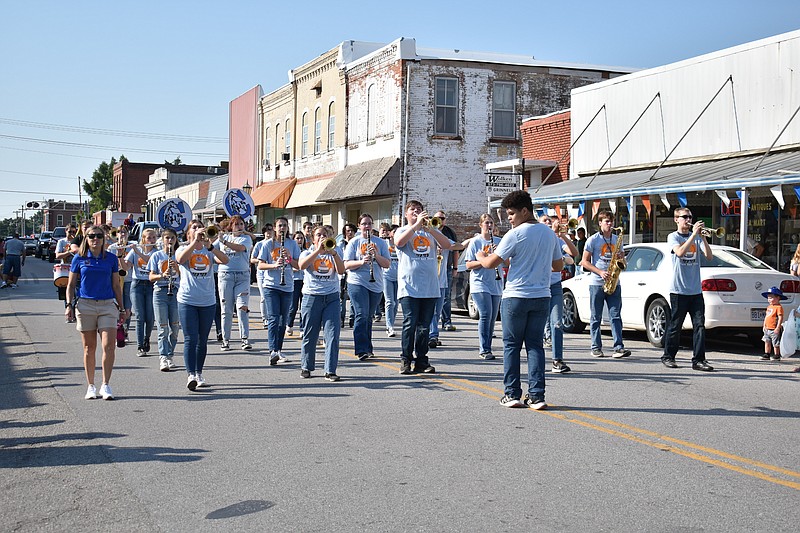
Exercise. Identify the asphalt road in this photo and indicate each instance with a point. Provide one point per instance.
(626, 445)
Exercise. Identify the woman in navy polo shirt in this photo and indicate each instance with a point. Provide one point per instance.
(97, 304)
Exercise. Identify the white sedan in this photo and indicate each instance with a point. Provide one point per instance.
(732, 285)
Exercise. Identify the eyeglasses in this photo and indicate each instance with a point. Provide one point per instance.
(687, 217)
(94, 235)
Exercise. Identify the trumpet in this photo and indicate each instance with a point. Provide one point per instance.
(570, 224)
(113, 234)
(708, 232)
(433, 222)
(211, 232)
(329, 244)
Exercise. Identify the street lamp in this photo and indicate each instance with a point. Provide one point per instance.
(247, 188)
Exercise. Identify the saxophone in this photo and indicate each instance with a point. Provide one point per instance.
(617, 265)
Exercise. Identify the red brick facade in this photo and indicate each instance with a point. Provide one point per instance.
(548, 137)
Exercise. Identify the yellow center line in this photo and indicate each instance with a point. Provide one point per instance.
(640, 435)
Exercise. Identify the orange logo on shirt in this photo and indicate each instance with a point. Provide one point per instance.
(323, 266)
(422, 245)
(606, 250)
(199, 263)
(141, 263)
(276, 253)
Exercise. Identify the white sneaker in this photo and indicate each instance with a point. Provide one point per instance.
(105, 392)
(163, 365)
(390, 332)
(4, 285)
(226, 346)
(91, 393)
(191, 382)
(289, 331)
(13, 285)
(281, 358)
(246, 344)
(200, 381)
(170, 363)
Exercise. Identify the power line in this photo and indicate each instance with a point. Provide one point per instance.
(119, 133)
(39, 192)
(49, 153)
(35, 174)
(98, 146)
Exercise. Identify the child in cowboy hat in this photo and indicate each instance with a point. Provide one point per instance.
(772, 324)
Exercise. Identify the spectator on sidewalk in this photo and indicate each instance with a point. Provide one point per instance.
(14, 260)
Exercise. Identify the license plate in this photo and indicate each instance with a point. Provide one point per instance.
(757, 315)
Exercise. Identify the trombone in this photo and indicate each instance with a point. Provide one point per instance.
(708, 232)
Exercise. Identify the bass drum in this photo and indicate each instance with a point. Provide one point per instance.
(60, 276)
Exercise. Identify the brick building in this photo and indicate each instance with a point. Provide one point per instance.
(547, 138)
(60, 213)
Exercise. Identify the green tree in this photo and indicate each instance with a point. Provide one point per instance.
(100, 187)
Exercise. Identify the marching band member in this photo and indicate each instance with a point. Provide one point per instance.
(417, 284)
(278, 256)
(348, 232)
(267, 231)
(390, 278)
(75, 244)
(297, 275)
(121, 249)
(234, 281)
(64, 256)
(142, 288)
(365, 282)
(97, 303)
(485, 285)
(445, 275)
(196, 299)
(320, 306)
(597, 257)
(164, 275)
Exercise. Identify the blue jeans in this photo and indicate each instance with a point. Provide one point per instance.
(127, 303)
(166, 311)
(523, 322)
(262, 303)
(437, 312)
(488, 305)
(234, 293)
(614, 302)
(390, 294)
(365, 302)
(417, 313)
(680, 304)
(196, 325)
(553, 328)
(217, 307)
(142, 296)
(297, 296)
(320, 312)
(278, 303)
(447, 312)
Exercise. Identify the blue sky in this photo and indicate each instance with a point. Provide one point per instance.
(172, 67)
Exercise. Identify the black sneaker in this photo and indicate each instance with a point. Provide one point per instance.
(405, 367)
(352, 321)
(305, 373)
(331, 377)
(219, 337)
(669, 363)
(147, 346)
(534, 402)
(424, 369)
(508, 401)
(363, 356)
(703, 366)
(560, 367)
(433, 343)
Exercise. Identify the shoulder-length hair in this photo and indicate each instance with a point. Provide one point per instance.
(83, 249)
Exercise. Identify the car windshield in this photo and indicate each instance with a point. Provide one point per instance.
(732, 259)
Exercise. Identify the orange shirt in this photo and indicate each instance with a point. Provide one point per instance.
(774, 316)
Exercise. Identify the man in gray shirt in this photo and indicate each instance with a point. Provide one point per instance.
(686, 293)
(15, 258)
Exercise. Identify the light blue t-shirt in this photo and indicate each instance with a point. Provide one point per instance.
(483, 279)
(416, 267)
(355, 251)
(254, 253)
(159, 264)
(237, 261)
(686, 269)
(532, 248)
(270, 251)
(320, 278)
(390, 274)
(555, 277)
(140, 270)
(114, 249)
(197, 279)
(601, 250)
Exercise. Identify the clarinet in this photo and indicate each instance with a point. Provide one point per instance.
(170, 281)
(283, 269)
(371, 262)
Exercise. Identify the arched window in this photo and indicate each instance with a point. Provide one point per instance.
(287, 139)
(317, 131)
(331, 126)
(304, 130)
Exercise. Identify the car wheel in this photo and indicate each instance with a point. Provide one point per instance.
(472, 309)
(570, 322)
(656, 318)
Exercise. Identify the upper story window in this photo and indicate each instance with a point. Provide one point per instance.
(304, 129)
(59, 220)
(331, 126)
(268, 149)
(277, 146)
(317, 131)
(446, 101)
(504, 115)
(287, 139)
(372, 106)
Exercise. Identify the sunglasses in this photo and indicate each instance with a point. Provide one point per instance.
(687, 217)
(94, 235)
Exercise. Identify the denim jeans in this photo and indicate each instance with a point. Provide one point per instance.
(218, 307)
(320, 312)
(297, 296)
(127, 303)
(278, 303)
(553, 329)
(523, 322)
(390, 294)
(166, 312)
(614, 302)
(234, 293)
(447, 312)
(365, 302)
(417, 313)
(196, 325)
(437, 312)
(680, 304)
(262, 303)
(488, 305)
(142, 296)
